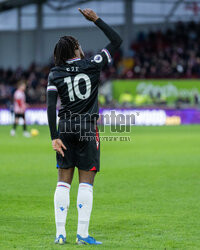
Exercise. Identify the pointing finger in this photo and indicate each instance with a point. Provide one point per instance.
(61, 152)
(81, 11)
(63, 146)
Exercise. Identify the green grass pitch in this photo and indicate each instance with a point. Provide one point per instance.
(147, 195)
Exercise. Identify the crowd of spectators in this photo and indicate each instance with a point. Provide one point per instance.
(174, 53)
(35, 77)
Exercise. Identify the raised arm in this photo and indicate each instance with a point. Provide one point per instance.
(113, 36)
(115, 39)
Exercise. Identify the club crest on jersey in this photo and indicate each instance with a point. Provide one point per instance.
(98, 58)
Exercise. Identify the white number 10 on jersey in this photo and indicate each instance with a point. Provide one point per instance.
(74, 87)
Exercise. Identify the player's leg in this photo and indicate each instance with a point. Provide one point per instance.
(84, 206)
(65, 175)
(24, 126)
(86, 176)
(61, 202)
(84, 201)
(88, 163)
(65, 167)
(13, 130)
(26, 133)
(16, 121)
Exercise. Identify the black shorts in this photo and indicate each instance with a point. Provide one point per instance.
(17, 115)
(83, 147)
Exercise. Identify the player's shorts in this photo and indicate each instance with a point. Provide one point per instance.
(83, 147)
(18, 115)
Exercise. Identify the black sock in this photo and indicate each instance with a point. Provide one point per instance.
(15, 126)
(25, 128)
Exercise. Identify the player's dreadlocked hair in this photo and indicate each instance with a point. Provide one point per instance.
(65, 49)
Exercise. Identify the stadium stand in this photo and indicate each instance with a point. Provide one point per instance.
(169, 54)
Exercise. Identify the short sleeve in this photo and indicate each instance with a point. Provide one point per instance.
(101, 59)
(18, 95)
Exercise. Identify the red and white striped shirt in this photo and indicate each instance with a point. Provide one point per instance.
(19, 102)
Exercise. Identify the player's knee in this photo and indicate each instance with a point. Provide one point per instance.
(86, 176)
(65, 175)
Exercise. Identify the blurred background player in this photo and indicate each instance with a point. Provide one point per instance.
(20, 109)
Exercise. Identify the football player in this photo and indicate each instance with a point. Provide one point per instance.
(75, 80)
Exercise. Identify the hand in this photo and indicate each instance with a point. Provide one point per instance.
(58, 146)
(89, 14)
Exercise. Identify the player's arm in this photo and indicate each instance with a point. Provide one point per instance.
(113, 36)
(52, 95)
(115, 39)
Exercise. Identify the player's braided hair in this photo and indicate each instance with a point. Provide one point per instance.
(65, 49)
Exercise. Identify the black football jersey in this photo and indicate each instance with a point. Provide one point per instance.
(77, 85)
